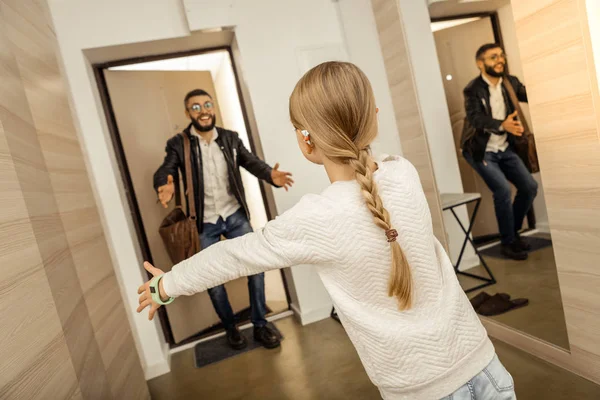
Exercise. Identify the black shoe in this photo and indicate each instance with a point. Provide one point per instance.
(267, 337)
(235, 339)
(514, 251)
(522, 243)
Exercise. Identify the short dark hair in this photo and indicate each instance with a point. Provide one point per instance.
(481, 51)
(194, 93)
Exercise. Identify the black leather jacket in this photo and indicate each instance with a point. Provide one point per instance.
(236, 155)
(479, 113)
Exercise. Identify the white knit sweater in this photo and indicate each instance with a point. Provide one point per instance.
(427, 352)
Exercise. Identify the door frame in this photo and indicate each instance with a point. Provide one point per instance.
(115, 136)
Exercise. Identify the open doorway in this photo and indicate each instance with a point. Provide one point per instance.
(143, 99)
(459, 29)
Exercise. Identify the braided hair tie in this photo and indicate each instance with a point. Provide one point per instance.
(392, 235)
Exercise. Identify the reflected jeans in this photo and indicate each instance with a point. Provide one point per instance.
(497, 169)
(235, 226)
(493, 383)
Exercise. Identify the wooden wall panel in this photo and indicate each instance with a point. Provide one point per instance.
(34, 358)
(554, 42)
(406, 108)
(63, 218)
(36, 187)
(74, 197)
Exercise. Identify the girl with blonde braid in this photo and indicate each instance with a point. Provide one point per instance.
(369, 236)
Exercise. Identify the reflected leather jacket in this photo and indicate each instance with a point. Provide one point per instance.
(479, 114)
(236, 155)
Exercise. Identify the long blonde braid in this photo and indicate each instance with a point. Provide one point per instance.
(334, 101)
(400, 283)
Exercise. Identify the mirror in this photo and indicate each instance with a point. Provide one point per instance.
(498, 230)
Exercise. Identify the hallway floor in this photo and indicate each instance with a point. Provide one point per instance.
(318, 362)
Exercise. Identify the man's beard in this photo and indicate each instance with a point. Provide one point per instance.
(201, 128)
(492, 72)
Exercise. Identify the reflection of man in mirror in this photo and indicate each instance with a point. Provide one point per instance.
(490, 149)
(217, 155)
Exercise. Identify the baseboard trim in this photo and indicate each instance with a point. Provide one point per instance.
(158, 369)
(297, 312)
(539, 348)
(543, 227)
(496, 242)
(311, 316)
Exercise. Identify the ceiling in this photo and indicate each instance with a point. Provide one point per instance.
(448, 8)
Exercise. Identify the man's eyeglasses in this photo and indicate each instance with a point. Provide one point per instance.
(496, 57)
(198, 107)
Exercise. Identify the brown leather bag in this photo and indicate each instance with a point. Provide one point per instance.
(524, 145)
(178, 231)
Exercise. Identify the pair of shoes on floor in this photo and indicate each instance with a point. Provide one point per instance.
(264, 335)
(488, 305)
(517, 250)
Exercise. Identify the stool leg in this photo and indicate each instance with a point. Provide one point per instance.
(488, 281)
(467, 232)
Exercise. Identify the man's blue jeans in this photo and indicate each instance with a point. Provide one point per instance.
(497, 170)
(235, 226)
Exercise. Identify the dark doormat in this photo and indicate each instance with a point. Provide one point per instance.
(537, 243)
(216, 350)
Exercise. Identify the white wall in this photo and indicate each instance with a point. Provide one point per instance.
(271, 34)
(511, 48)
(233, 118)
(436, 119)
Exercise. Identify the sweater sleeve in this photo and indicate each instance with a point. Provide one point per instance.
(293, 238)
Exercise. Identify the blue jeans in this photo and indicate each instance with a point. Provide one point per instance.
(497, 170)
(493, 383)
(235, 226)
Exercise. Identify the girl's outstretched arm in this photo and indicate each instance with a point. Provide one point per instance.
(227, 260)
(302, 235)
(296, 237)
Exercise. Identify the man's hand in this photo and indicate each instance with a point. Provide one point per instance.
(165, 192)
(281, 178)
(513, 126)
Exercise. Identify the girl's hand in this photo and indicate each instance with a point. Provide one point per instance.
(146, 296)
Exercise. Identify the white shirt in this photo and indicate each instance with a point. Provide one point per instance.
(497, 142)
(218, 199)
(427, 352)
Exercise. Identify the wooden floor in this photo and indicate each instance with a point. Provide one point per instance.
(535, 279)
(319, 362)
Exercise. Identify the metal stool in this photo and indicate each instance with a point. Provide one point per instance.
(450, 202)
